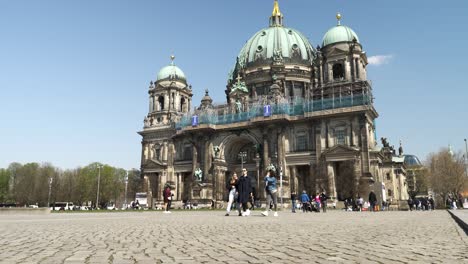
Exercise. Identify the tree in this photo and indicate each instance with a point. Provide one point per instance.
(446, 173)
(4, 185)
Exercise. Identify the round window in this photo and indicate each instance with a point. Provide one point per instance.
(259, 48)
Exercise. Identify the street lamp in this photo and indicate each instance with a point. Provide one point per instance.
(126, 184)
(242, 156)
(50, 189)
(466, 158)
(98, 183)
(280, 170)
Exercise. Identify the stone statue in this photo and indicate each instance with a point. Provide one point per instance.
(385, 142)
(278, 57)
(238, 106)
(216, 151)
(146, 121)
(198, 174)
(400, 150)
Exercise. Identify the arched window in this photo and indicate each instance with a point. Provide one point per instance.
(161, 102)
(182, 104)
(338, 71)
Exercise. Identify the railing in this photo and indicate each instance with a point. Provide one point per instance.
(297, 108)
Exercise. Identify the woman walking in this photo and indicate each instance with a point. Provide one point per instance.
(167, 199)
(271, 192)
(231, 188)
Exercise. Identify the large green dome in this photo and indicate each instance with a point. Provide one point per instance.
(339, 33)
(171, 72)
(263, 45)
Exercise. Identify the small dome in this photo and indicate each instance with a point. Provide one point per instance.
(171, 72)
(412, 160)
(339, 33)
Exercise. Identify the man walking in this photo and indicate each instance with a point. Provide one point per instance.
(323, 200)
(372, 201)
(293, 201)
(244, 189)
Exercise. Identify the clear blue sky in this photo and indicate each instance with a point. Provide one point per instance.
(74, 74)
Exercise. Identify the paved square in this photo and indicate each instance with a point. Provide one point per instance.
(210, 237)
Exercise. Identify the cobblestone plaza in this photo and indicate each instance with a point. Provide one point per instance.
(210, 237)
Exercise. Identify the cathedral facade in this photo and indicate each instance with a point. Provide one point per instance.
(305, 111)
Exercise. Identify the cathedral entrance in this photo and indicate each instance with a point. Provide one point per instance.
(242, 152)
(345, 180)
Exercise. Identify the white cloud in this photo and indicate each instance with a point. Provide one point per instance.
(379, 59)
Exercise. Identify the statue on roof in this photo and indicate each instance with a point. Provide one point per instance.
(278, 57)
(239, 86)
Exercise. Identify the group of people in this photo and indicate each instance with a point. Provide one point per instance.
(310, 204)
(241, 192)
(423, 203)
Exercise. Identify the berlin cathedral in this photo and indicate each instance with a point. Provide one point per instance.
(307, 112)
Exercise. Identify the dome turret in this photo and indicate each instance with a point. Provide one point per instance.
(339, 33)
(171, 72)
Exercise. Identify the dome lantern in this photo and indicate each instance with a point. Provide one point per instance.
(276, 19)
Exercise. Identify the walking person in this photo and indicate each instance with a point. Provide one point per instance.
(317, 202)
(305, 200)
(293, 201)
(323, 201)
(360, 203)
(271, 191)
(372, 201)
(244, 190)
(231, 188)
(167, 195)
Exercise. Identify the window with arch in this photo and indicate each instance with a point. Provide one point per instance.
(157, 152)
(338, 71)
(161, 102)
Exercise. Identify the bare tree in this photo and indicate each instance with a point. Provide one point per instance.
(446, 173)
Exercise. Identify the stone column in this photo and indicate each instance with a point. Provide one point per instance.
(151, 104)
(331, 179)
(194, 167)
(265, 152)
(164, 151)
(167, 103)
(294, 186)
(207, 160)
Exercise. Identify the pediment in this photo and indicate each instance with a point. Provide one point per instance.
(337, 51)
(152, 163)
(340, 149)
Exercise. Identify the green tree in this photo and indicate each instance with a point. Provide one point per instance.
(4, 185)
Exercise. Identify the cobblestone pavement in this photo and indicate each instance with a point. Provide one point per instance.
(210, 237)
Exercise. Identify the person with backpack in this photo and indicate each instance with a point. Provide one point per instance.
(305, 200)
(271, 192)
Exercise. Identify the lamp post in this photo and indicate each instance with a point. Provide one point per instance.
(126, 185)
(50, 189)
(242, 156)
(466, 158)
(98, 183)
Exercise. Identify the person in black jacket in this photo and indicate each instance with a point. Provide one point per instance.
(372, 201)
(244, 188)
(293, 201)
(323, 201)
